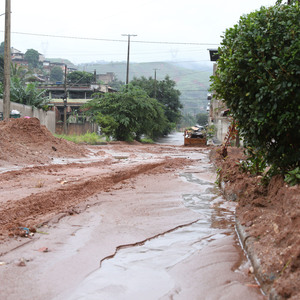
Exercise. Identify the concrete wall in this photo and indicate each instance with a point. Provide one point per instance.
(46, 118)
(76, 128)
(222, 124)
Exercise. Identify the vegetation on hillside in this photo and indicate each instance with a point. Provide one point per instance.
(193, 83)
(258, 77)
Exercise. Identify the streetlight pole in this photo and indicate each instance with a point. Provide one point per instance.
(128, 51)
(7, 59)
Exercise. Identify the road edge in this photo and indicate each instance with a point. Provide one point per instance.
(247, 243)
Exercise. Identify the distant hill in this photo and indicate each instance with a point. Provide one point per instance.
(192, 79)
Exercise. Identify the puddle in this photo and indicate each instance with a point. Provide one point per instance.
(133, 271)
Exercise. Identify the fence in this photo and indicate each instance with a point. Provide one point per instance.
(76, 128)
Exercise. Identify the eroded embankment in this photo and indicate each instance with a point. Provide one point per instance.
(268, 223)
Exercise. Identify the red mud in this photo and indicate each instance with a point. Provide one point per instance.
(33, 195)
(270, 214)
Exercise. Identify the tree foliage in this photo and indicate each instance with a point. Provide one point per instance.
(258, 78)
(2, 46)
(1, 68)
(165, 92)
(56, 74)
(128, 114)
(80, 77)
(32, 56)
(202, 119)
(27, 94)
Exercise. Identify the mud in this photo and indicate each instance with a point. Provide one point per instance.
(269, 216)
(59, 221)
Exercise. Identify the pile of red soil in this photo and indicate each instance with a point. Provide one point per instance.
(270, 214)
(27, 141)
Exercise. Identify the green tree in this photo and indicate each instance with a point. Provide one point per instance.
(80, 77)
(165, 92)
(27, 94)
(117, 84)
(19, 71)
(2, 49)
(258, 78)
(128, 114)
(56, 74)
(202, 119)
(32, 56)
(1, 69)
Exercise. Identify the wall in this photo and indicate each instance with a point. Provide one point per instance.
(217, 107)
(46, 118)
(76, 128)
(222, 124)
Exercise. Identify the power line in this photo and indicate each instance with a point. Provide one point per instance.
(113, 40)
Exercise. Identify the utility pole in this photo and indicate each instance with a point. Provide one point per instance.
(155, 82)
(128, 51)
(65, 101)
(7, 59)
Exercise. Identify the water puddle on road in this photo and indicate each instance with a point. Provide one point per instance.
(134, 271)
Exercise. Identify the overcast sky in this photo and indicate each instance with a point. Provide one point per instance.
(195, 24)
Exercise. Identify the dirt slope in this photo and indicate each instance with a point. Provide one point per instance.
(271, 215)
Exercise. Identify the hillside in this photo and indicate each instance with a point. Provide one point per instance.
(192, 79)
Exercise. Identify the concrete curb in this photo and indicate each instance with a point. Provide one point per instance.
(265, 280)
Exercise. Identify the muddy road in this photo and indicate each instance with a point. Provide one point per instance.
(127, 221)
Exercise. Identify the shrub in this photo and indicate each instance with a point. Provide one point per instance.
(258, 78)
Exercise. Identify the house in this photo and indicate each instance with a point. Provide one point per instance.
(71, 100)
(16, 54)
(106, 78)
(218, 111)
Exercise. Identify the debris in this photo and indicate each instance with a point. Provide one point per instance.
(253, 285)
(25, 229)
(44, 249)
(2, 263)
(40, 184)
(42, 232)
(22, 262)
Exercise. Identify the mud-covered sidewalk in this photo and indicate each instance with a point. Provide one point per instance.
(71, 215)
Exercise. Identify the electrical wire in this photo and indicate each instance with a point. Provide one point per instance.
(113, 40)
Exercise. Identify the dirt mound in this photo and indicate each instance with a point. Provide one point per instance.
(27, 141)
(270, 214)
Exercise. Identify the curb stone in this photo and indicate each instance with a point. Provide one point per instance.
(265, 280)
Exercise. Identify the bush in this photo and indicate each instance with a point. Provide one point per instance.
(258, 78)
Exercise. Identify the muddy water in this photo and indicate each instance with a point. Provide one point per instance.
(149, 270)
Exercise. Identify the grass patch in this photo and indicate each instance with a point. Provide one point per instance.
(147, 141)
(88, 138)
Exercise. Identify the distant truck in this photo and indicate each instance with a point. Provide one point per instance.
(195, 136)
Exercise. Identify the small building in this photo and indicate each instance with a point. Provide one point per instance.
(106, 78)
(218, 111)
(77, 95)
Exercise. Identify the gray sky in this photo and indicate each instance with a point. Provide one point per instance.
(162, 21)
